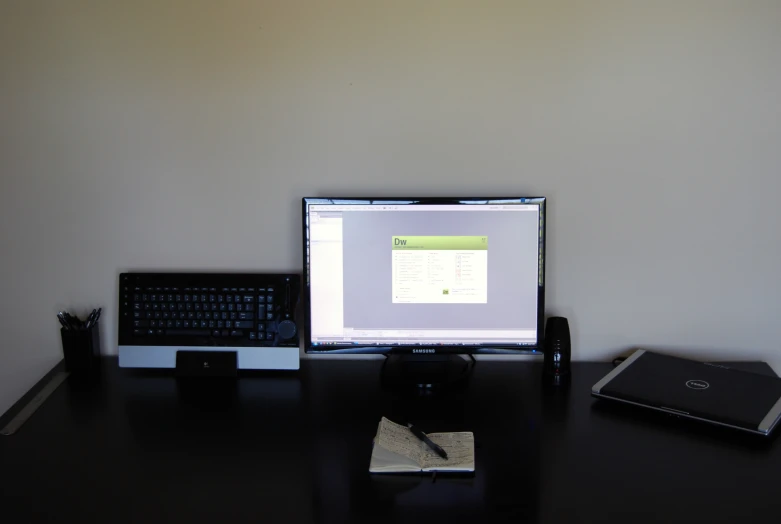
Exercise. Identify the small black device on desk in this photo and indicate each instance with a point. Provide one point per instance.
(558, 351)
(251, 314)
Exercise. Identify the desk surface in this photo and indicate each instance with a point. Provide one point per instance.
(295, 447)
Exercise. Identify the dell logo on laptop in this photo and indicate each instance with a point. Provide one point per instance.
(697, 384)
(424, 350)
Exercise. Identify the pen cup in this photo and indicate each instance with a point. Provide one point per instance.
(81, 349)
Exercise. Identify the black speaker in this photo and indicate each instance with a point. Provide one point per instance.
(557, 350)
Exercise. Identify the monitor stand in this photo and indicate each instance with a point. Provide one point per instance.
(425, 374)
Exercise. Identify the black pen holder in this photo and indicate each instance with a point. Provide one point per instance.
(81, 349)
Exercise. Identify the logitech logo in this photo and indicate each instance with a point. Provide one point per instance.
(424, 350)
(697, 384)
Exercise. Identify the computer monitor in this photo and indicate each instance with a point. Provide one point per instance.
(424, 276)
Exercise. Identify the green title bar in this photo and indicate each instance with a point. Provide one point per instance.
(438, 243)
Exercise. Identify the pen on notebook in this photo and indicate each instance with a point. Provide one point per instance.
(422, 436)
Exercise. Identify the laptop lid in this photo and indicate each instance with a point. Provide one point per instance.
(704, 391)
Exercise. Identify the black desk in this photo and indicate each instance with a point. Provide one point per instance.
(295, 448)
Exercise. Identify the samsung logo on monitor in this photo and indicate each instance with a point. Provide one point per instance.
(424, 350)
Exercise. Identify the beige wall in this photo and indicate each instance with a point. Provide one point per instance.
(161, 134)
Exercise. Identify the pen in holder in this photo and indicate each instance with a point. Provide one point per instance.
(81, 349)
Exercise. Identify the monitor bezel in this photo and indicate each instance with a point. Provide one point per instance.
(483, 349)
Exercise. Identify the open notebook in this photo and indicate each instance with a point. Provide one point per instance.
(398, 450)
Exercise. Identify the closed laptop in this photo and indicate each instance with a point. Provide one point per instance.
(698, 390)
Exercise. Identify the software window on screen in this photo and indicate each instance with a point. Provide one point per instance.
(423, 274)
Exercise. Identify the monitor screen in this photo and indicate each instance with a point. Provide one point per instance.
(427, 275)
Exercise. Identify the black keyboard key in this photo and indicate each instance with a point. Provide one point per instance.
(239, 307)
(149, 314)
(249, 307)
(150, 331)
(207, 315)
(216, 333)
(153, 323)
(204, 323)
(166, 315)
(147, 306)
(249, 298)
(269, 307)
(261, 326)
(224, 315)
(215, 307)
(245, 316)
(136, 314)
(225, 333)
(160, 332)
(237, 333)
(231, 307)
(223, 307)
(229, 298)
(139, 332)
(261, 299)
(233, 315)
(185, 324)
(140, 323)
(229, 324)
(220, 324)
(269, 316)
(221, 299)
(269, 298)
(137, 306)
(197, 306)
(189, 332)
(169, 323)
(243, 324)
(253, 335)
(270, 289)
(269, 336)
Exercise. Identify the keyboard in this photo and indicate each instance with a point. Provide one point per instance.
(210, 311)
